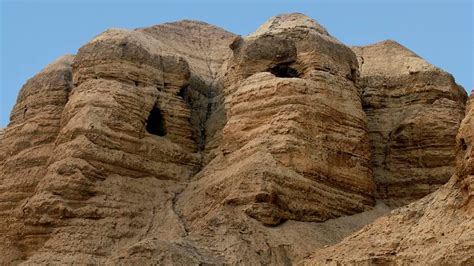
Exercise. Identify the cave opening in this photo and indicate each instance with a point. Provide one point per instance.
(284, 71)
(155, 123)
(463, 144)
(182, 92)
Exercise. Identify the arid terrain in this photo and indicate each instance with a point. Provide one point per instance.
(185, 144)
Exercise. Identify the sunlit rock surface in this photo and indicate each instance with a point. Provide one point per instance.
(182, 143)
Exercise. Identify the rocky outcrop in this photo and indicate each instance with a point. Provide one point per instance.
(119, 149)
(295, 145)
(26, 147)
(184, 144)
(1, 132)
(414, 110)
(436, 230)
(206, 49)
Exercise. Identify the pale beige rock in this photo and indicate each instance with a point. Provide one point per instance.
(205, 48)
(295, 145)
(292, 21)
(436, 230)
(181, 143)
(25, 149)
(104, 175)
(414, 110)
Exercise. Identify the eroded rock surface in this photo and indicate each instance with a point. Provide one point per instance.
(436, 230)
(295, 145)
(26, 147)
(184, 144)
(121, 147)
(414, 110)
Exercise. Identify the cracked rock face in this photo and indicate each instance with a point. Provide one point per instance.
(436, 230)
(295, 145)
(183, 144)
(414, 110)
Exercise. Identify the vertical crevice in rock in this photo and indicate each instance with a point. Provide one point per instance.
(270, 130)
(413, 110)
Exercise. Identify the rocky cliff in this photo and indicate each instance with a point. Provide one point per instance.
(310, 135)
(414, 110)
(436, 230)
(183, 143)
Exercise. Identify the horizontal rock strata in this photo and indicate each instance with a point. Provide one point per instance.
(121, 148)
(25, 149)
(414, 110)
(185, 144)
(295, 145)
(435, 230)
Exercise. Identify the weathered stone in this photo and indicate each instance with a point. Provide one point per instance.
(414, 110)
(104, 167)
(25, 149)
(184, 144)
(436, 230)
(295, 145)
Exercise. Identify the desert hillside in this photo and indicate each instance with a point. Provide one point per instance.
(185, 144)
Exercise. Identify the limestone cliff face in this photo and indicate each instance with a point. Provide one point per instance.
(26, 147)
(116, 144)
(436, 230)
(295, 145)
(414, 110)
(206, 49)
(184, 144)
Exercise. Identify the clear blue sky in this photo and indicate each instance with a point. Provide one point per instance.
(34, 32)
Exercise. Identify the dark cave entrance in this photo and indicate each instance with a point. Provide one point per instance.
(155, 123)
(182, 92)
(284, 71)
(463, 144)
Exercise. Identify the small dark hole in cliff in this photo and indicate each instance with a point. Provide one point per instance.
(353, 75)
(182, 92)
(284, 71)
(463, 145)
(156, 124)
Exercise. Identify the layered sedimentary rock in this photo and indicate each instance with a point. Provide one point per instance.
(26, 147)
(414, 110)
(295, 145)
(114, 141)
(1, 132)
(436, 230)
(206, 49)
(185, 144)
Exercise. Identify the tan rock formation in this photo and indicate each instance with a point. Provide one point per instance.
(185, 144)
(104, 174)
(436, 230)
(414, 110)
(295, 144)
(25, 149)
(206, 49)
